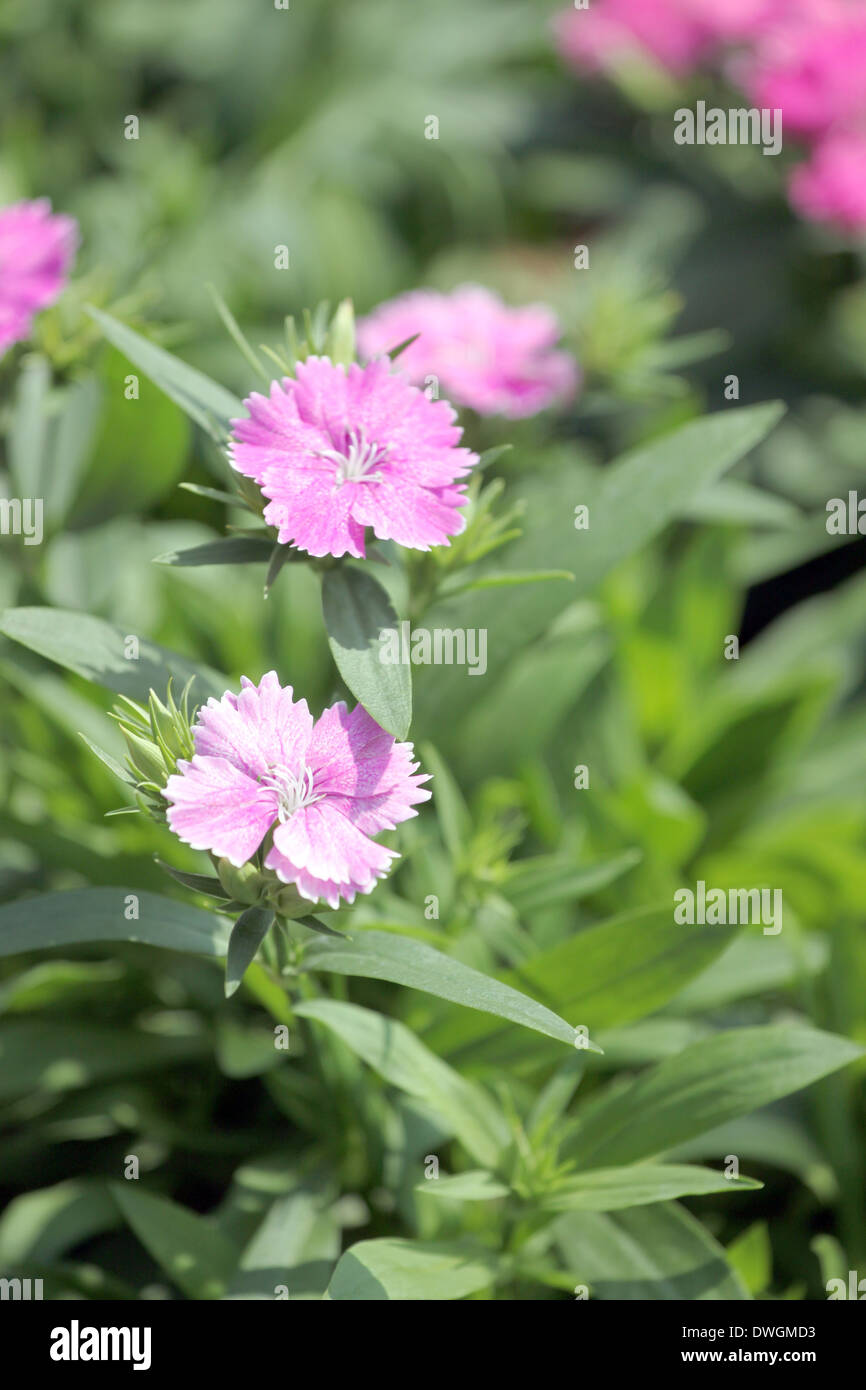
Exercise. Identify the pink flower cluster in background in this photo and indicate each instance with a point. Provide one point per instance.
(677, 34)
(37, 248)
(480, 352)
(806, 58)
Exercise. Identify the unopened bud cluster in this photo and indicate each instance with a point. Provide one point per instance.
(157, 736)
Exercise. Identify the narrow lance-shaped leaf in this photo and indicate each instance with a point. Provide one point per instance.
(611, 1189)
(383, 956)
(637, 495)
(403, 1061)
(107, 654)
(418, 1270)
(358, 613)
(451, 810)
(607, 974)
(654, 1253)
(248, 933)
(729, 1074)
(216, 494)
(205, 401)
(296, 1246)
(29, 427)
(193, 1254)
(107, 914)
(199, 883)
(501, 580)
(475, 1186)
(226, 550)
(629, 502)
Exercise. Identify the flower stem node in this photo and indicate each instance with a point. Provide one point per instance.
(257, 887)
(287, 901)
(245, 885)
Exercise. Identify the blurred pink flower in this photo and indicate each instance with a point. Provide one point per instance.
(37, 248)
(677, 34)
(814, 69)
(338, 450)
(484, 354)
(262, 763)
(831, 187)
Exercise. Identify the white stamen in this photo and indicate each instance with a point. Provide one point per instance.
(354, 466)
(294, 789)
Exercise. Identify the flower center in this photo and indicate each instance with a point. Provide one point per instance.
(356, 458)
(294, 789)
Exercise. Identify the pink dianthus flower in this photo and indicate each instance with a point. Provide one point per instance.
(831, 186)
(484, 354)
(677, 34)
(336, 450)
(37, 248)
(323, 787)
(813, 69)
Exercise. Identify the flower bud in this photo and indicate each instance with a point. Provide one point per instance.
(146, 760)
(244, 885)
(285, 899)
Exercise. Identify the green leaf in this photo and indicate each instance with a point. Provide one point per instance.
(395, 352)
(730, 500)
(729, 1074)
(235, 333)
(630, 502)
(412, 1270)
(29, 427)
(751, 1255)
(96, 650)
(99, 914)
(199, 883)
(71, 445)
(57, 982)
(106, 759)
(243, 1051)
(781, 1141)
(475, 1186)
(192, 1253)
(215, 494)
(38, 1227)
(383, 956)
(52, 1058)
(553, 1101)
(451, 810)
(322, 928)
(460, 584)
(403, 1061)
(752, 964)
(507, 723)
(605, 975)
(635, 497)
(610, 1189)
(357, 611)
(296, 1247)
(490, 455)
(248, 933)
(649, 1254)
(209, 404)
(228, 550)
(139, 452)
(544, 880)
(279, 556)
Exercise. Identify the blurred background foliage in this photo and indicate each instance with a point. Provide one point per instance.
(306, 128)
